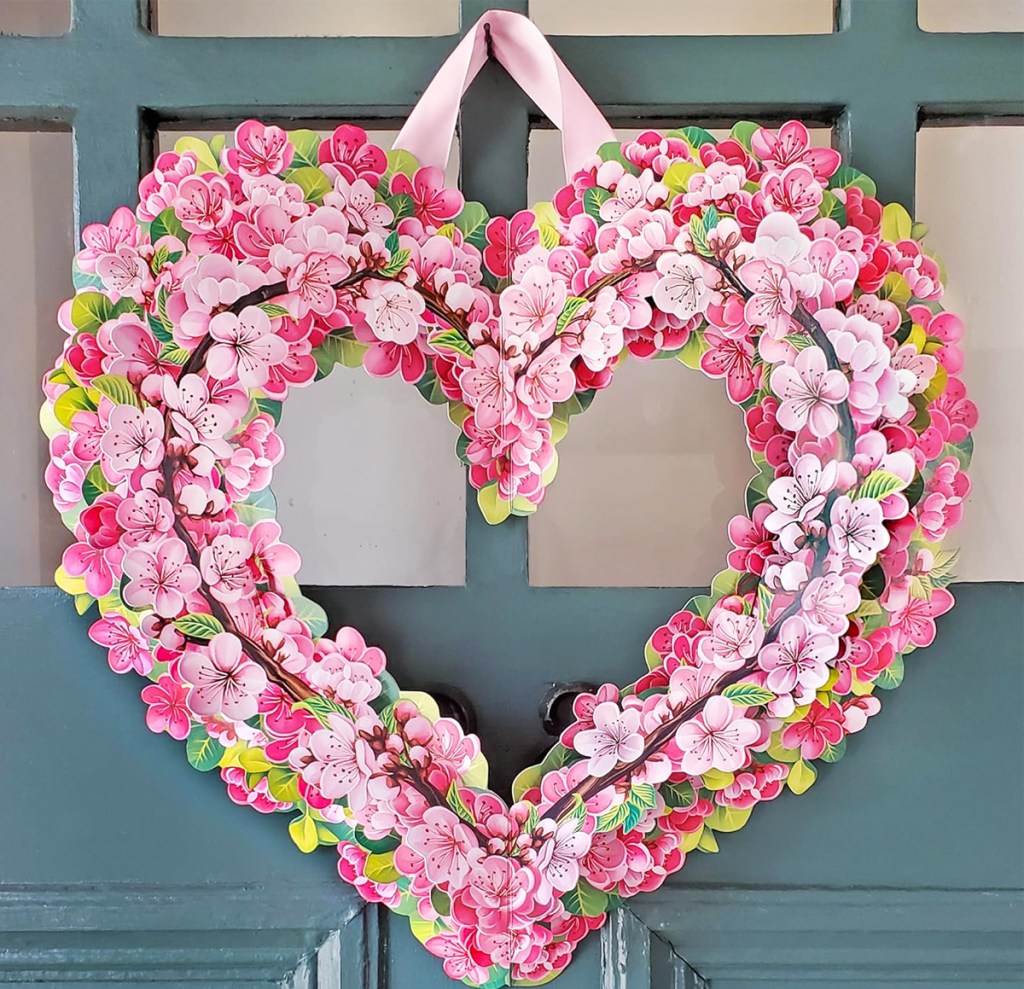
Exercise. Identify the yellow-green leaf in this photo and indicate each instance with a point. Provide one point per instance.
(303, 832)
(493, 506)
(313, 183)
(897, 223)
(729, 819)
(714, 779)
(380, 867)
(708, 842)
(205, 158)
(801, 776)
(678, 175)
(254, 761)
(117, 388)
(69, 402)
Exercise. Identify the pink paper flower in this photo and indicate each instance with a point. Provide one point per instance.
(127, 648)
(798, 657)
(259, 150)
(820, 727)
(393, 312)
(530, 308)
(792, 144)
(558, 859)
(224, 566)
(681, 290)
(914, 623)
(134, 438)
(733, 360)
(734, 639)
(507, 239)
(224, 681)
(827, 601)
(809, 391)
(160, 577)
(449, 848)
(614, 738)
(433, 203)
(338, 762)
(548, 379)
(246, 347)
(488, 387)
(167, 710)
(718, 738)
(856, 529)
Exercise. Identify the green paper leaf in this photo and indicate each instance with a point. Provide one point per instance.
(283, 785)
(455, 801)
(307, 147)
(450, 340)
(743, 131)
(95, 484)
(801, 776)
(472, 221)
(748, 694)
(592, 200)
(897, 223)
(585, 900)
(846, 176)
(401, 205)
(892, 676)
(493, 506)
(678, 794)
(258, 506)
(167, 224)
(692, 351)
(677, 177)
(338, 349)
(400, 161)
(832, 208)
(273, 310)
(728, 819)
(203, 752)
(173, 354)
(399, 259)
(206, 160)
(270, 406)
(696, 136)
(569, 311)
(833, 753)
(879, 484)
(312, 614)
(313, 183)
(944, 568)
(699, 236)
(69, 402)
(381, 868)
(379, 845)
(321, 708)
(440, 901)
(90, 310)
(117, 388)
(198, 626)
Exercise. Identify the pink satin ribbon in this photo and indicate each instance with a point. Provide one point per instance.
(528, 58)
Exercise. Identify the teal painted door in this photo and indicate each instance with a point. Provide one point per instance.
(894, 872)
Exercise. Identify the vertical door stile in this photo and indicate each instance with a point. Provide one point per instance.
(494, 133)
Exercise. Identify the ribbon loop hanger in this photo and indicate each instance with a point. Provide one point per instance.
(515, 42)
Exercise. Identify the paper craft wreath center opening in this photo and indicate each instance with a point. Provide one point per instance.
(249, 270)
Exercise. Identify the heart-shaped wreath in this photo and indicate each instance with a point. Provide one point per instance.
(247, 271)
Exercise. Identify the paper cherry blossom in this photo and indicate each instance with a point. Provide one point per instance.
(247, 271)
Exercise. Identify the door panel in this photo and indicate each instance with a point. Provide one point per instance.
(118, 864)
